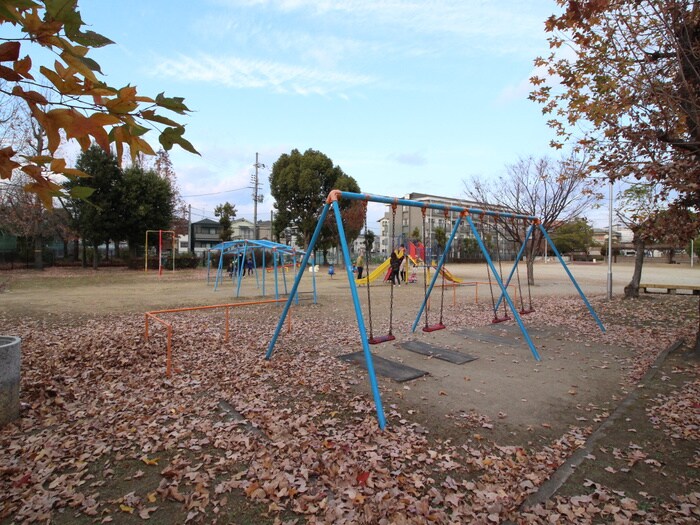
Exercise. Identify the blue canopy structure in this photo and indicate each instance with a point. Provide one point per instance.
(279, 257)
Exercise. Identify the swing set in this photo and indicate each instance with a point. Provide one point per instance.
(464, 214)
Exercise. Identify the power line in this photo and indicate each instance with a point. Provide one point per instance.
(215, 193)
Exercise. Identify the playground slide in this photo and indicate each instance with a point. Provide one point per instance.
(448, 275)
(378, 271)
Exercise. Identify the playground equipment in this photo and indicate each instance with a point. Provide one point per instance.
(283, 258)
(463, 214)
(155, 315)
(160, 249)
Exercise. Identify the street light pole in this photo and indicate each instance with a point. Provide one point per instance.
(610, 233)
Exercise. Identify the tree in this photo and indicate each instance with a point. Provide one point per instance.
(225, 212)
(86, 108)
(553, 191)
(369, 242)
(25, 215)
(440, 237)
(148, 204)
(630, 96)
(573, 236)
(300, 184)
(99, 220)
(163, 166)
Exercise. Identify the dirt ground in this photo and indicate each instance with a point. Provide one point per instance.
(506, 395)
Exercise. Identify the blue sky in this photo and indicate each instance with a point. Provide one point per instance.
(403, 95)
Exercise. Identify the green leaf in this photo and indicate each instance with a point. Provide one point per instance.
(6, 5)
(88, 38)
(137, 130)
(172, 103)
(149, 114)
(81, 192)
(171, 136)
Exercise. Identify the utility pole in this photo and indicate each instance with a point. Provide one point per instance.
(190, 237)
(256, 196)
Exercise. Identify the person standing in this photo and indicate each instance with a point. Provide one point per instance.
(402, 268)
(395, 264)
(360, 265)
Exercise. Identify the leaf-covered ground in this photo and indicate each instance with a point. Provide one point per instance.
(104, 436)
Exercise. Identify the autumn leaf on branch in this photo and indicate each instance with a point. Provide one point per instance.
(89, 110)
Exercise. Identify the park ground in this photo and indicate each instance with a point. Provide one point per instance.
(104, 436)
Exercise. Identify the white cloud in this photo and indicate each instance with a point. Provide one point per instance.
(507, 27)
(244, 73)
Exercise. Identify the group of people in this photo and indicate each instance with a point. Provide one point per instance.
(397, 264)
(234, 265)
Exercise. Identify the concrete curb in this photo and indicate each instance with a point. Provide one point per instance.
(555, 482)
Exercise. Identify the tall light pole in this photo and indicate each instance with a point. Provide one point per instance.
(256, 196)
(610, 234)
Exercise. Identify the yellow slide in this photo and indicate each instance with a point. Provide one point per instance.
(449, 277)
(378, 271)
(445, 272)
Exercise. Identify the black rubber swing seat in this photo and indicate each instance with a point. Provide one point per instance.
(434, 327)
(380, 339)
(500, 319)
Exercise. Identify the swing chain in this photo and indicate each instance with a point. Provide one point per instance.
(369, 296)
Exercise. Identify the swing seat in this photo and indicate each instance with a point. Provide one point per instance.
(434, 327)
(500, 319)
(380, 339)
(526, 311)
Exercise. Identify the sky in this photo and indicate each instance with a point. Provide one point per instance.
(404, 96)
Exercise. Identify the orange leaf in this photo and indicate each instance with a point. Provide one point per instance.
(9, 51)
(7, 165)
(23, 66)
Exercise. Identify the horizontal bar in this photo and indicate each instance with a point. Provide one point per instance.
(337, 194)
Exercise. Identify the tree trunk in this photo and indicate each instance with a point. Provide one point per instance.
(107, 250)
(530, 254)
(84, 254)
(38, 255)
(94, 256)
(632, 289)
(76, 250)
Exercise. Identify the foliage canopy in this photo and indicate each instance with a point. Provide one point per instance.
(87, 110)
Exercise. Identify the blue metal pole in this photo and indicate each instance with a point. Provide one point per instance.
(242, 269)
(427, 205)
(515, 265)
(295, 286)
(284, 274)
(218, 269)
(360, 320)
(504, 292)
(275, 256)
(441, 262)
(578, 288)
(264, 269)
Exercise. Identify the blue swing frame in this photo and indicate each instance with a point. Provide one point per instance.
(463, 213)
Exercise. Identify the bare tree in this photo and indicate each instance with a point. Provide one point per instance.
(554, 191)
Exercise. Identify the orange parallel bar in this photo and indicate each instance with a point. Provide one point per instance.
(169, 326)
